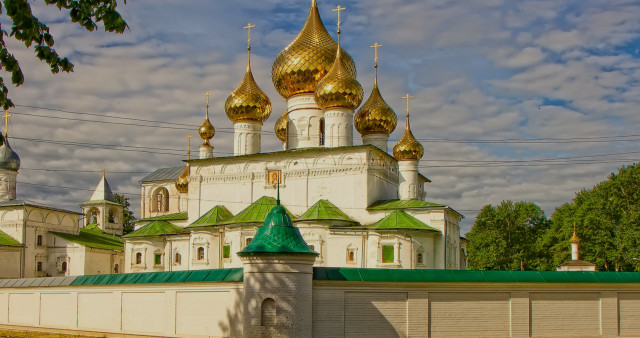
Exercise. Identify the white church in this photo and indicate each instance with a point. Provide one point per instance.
(356, 205)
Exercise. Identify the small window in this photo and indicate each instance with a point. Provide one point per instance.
(351, 256)
(419, 258)
(63, 267)
(321, 132)
(39, 240)
(247, 241)
(157, 259)
(388, 254)
(269, 312)
(116, 268)
(200, 253)
(139, 258)
(39, 266)
(178, 259)
(226, 251)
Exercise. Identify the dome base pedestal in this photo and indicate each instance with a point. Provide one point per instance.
(246, 138)
(306, 126)
(377, 140)
(338, 127)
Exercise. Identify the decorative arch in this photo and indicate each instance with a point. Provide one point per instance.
(160, 200)
(92, 216)
(68, 221)
(111, 215)
(52, 218)
(36, 216)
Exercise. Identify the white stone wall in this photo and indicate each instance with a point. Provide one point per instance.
(199, 309)
(10, 259)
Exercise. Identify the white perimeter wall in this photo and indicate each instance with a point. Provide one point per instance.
(189, 309)
(340, 309)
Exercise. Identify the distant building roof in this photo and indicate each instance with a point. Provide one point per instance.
(325, 211)
(16, 203)
(217, 215)
(155, 228)
(256, 212)
(163, 174)
(577, 262)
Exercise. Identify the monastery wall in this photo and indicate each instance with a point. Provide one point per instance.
(339, 309)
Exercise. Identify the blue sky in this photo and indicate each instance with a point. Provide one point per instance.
(514, 100)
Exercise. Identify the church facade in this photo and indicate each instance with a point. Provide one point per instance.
(356, 205)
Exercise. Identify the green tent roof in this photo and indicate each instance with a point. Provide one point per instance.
(400, 220)
(277, 236)
(215, 216)
(324, 210)
(93, 237)
(6, 240)
(100, 202)
(178, 216)
(402, 204)
(155, 228)
(257, 212)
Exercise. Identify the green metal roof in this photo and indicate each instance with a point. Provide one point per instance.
(100, 202)
(277, 236)
(178, 216)
(400, 220)
(163, 174)
(471, 276)
(215, 216)
(255, 213)
(324, 210)
(155, 228)
(6, 240)
(402, 204)
(93, 237)
(193, 276)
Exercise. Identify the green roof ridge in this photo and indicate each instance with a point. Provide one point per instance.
(6, 240)
(401, 220)
(178, 216)
(277, 236)
(99, 202)
(155, 228)
(93, 237)
(402, 204)
(215, 216)
(256, 212)
(324, 210)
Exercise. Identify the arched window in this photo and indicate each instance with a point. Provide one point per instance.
(110, 217)
(92, 216)
(200, 253)
(63, 268)
(321, 132)
(39, 240)
(160, 200)
(139, 258)
(116, 268)
(352, 256)
(420, 258)
(269, 312)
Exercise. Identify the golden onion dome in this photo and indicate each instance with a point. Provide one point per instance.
(408, 148)
(302, 64)
(182, 183)
(281, 126)
(575, 239)
(206, 130)
(375, 116)
(339, 88)
(248, 102)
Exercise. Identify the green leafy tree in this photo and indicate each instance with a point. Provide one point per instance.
(27, 29)
(607, 219)
(127, 215)
(506, 237)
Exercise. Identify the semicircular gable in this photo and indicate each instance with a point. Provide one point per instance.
(68, 221)
(231, 168)
(36, 216)
(52, 218)
(10, 215)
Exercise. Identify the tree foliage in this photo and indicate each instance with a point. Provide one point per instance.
(127, 215)
(27, 29)
(607, 220)
(506, 237)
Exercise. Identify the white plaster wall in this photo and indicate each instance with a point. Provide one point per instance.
(148, 246)
(10, 262)
(199, 309)
(178, 245)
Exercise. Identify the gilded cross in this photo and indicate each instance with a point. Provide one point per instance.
(375, 58)
(189, 146)
(102, 172)
(248, 28)
(207, 94)
(338, 9)
(407, 97)
(6, 117)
